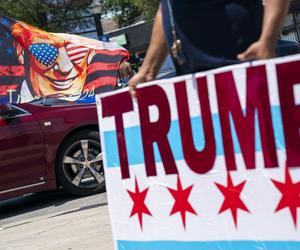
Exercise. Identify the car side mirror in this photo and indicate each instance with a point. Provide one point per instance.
(6, 111)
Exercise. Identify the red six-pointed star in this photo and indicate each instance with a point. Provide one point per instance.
(290, 195)
(139, 206)
(232, 200)
(181, 204)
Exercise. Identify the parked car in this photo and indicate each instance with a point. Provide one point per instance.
(45, 145)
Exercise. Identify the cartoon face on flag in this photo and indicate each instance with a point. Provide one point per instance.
(40, 64)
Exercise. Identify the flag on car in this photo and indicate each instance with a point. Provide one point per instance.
(36, 64)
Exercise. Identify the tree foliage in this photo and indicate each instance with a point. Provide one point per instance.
(70, 15)
(147, 7)
(50, 15)
(127, 12)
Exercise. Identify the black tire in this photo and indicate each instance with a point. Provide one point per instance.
(79, 165)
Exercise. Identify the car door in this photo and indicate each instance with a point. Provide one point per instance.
(22, 153)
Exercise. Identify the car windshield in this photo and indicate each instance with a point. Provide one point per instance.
(51, 100)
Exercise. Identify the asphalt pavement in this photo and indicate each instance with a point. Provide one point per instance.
(45, 203)
(78, 229)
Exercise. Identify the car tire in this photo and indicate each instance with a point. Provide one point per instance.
(79, 165)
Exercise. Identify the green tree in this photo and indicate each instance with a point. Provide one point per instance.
(127, 12)
(147, 7)
(50, 15)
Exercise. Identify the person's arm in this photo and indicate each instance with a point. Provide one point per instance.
(264, 48)
(156, 54)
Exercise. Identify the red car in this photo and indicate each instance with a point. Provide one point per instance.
(44, 145)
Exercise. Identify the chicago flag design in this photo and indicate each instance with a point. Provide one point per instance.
(207, 161)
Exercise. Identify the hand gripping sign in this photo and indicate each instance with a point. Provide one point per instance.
(208, 161)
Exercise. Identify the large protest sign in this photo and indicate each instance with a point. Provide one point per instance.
(207, 161)
(36, 64)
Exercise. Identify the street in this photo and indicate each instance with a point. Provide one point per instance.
(33, 221)
(45, 203)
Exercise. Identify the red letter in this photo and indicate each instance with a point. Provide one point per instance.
(199, 162)
(116, 105)
(288, 75)
(257, 98)
(155, 131)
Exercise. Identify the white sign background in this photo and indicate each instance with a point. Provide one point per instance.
(203, 227)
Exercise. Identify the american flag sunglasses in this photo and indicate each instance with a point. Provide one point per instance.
(46, 54)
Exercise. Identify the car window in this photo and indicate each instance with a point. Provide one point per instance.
(50, 101)
(20, 111)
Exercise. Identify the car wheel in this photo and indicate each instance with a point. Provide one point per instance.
(79, 164)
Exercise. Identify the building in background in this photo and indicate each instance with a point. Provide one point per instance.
(291, 26)
(136, 38)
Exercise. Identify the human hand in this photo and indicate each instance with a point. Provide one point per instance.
(137, 79)
(258, 50)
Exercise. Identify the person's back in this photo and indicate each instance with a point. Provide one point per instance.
(206, 34)
(212, 32)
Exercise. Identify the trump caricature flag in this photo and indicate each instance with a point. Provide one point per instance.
(36, 64)
(207, 161)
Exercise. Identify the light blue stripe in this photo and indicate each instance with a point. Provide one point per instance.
(135, 147)
(278, 128)
(208, 245)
